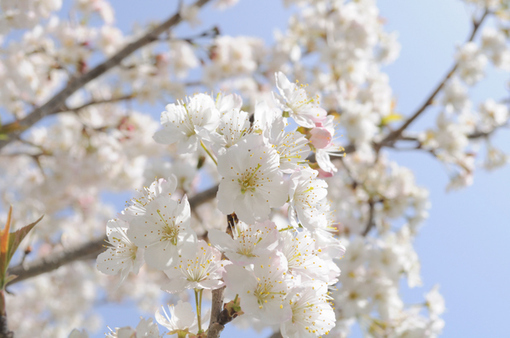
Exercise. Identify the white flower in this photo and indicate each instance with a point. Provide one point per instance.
(305, 111)
(227, 103)
(455, 95)
(201, 269)
(182, 57)
(292, 147)
(307, 198)
(302, 260)
(248, 242)
(145, 329)
(252, 182)
(493, 114)
(435, 301)
(181, 318)
(471, 63)
(123, 256)
(188, 123)
(159, 187)
(233, 56)
(162, 227)
(234, 124)
(360, 122)
(262, 289)
(312, 315)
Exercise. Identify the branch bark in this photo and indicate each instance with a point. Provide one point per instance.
(215, 327)
(87, 251)
(57, 102)
(394, 135)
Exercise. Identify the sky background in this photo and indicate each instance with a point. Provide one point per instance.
(463, 245)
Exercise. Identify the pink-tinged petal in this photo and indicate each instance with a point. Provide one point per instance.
(324, 174)
(318, 114)
(324, 161)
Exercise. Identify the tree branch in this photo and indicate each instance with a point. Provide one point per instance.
(215, 327)
(392, 136)
(86, 251)
(57, 102)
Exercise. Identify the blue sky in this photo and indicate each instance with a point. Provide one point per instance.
(464, 243)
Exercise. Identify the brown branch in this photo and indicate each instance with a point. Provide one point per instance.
(86, 251)
(394, 135)
(215, 327)
(57, 102)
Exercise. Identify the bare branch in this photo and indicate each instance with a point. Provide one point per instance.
(394, 135)
(57, 102)
(87, 251)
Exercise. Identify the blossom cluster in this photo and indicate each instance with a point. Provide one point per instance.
(280, 273)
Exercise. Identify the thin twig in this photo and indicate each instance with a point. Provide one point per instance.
(96, 102)
(394, 135)
(370, 223)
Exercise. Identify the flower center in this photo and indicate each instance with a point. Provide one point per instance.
(250, 182)
(170, 231)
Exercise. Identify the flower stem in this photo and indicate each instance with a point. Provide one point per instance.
(198, 303)
(208, 152)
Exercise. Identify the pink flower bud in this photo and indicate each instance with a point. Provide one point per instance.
(321, 137)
